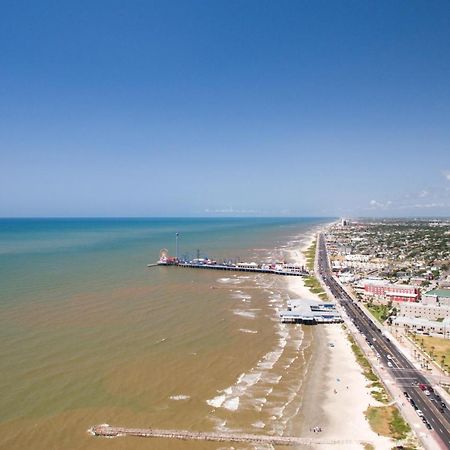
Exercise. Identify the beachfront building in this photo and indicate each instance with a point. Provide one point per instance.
(424, 326)
(383, 291)
(310, 312)
(424, 311)
(440, 297)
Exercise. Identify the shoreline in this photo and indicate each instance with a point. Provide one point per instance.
(333, 381)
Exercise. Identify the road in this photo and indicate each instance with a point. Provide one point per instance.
(401, 369)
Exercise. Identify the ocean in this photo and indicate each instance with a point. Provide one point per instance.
(89, 334)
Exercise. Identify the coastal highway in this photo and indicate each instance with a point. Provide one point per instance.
(401, 369)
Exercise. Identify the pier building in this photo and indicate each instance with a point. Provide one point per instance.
(310, 312)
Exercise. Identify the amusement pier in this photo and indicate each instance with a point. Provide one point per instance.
(109, 431)
(277, 268)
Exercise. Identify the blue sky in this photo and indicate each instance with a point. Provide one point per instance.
(141, 108)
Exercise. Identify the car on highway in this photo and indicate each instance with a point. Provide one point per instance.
(390, 364)
(419, 412)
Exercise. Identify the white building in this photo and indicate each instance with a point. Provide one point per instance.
(358, 258)
(423, 311)
(418, 325)
(440, 297)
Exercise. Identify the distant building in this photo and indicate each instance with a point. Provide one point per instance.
(346, 277)
(418, 281)
(358, 258)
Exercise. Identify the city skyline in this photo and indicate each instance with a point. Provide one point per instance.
(225, 109)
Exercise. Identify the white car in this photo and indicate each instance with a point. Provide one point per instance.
(419, 413)
(390, 364)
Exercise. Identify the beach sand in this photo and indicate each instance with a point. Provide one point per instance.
(336, 394)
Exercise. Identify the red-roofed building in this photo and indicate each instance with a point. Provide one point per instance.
(394, 292)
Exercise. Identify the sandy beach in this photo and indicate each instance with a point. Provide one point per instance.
(334, 381)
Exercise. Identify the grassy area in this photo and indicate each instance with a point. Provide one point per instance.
(378, 392)
(437, 348)
(380, 312)
(310, 255)
(312, 283)
(387, 421)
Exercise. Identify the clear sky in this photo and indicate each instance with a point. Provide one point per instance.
(158, 108)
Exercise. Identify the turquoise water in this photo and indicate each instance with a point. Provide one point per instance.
(90, 334)
(44, 256)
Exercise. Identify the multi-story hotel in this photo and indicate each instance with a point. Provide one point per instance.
(394, 292)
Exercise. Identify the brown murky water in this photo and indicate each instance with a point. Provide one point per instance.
(169, 348)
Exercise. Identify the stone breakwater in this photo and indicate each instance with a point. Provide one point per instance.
(106, 430)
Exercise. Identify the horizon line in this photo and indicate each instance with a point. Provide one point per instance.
(224, 217)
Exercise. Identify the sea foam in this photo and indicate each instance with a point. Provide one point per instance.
(247, 314)
(180, 397)
(232, 404)
(216, 402)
